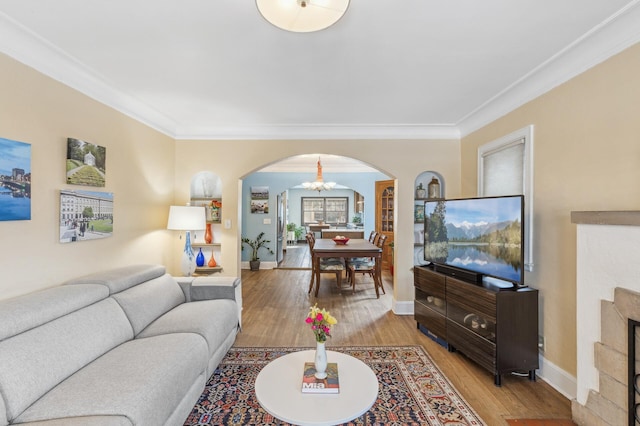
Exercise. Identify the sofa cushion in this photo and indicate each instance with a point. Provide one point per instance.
(143, 379)
(86, 421)
(119, 279)
(3, 413)
(33, 362)
(211, 319)
(145, 302)
(23, 313)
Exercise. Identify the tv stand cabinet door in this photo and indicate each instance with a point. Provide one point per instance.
(430, 305)
(517, 330)
(472, 298)
(481, 350)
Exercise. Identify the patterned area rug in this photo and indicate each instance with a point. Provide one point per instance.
(412, 390)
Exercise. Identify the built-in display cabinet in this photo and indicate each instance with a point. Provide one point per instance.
(206, 191)
(423, 194)
(213, 207)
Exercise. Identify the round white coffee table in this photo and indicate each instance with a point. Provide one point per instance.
(278, 389)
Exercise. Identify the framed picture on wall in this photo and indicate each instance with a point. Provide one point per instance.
(15, 180)
(260, 199)
(418, 213)
(85, 215)
(86, 163)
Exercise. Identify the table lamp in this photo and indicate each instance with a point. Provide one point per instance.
(187, 218)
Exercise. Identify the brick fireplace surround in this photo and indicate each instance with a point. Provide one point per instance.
(607, 296)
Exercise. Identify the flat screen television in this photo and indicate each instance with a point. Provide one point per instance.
(481, 235)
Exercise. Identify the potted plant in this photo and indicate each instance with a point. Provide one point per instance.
(300, 230)
(292, 235)
(256, 245)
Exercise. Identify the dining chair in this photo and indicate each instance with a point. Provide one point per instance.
(330, 265)
(367, 266)
(373, 238)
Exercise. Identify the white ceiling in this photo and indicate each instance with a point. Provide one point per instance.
(215, 69)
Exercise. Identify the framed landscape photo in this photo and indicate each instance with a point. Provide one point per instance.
(15, 180)
(260, 199)
(85, 215)
(418, 213)
(86, 163)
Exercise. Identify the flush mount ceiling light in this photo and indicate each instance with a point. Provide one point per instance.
(302, 16)
(319, 184)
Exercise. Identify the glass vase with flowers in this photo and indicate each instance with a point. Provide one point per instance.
(321, 322)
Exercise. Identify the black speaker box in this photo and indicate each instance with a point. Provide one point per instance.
(461, 274)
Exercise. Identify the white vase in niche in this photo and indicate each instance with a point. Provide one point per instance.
(321, 361)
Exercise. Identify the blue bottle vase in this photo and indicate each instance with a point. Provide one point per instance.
(200, 258)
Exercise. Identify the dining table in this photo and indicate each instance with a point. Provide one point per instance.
(356, 247)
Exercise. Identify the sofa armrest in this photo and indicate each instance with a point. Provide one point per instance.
(185, 285)
(212, 287)
(207, 288)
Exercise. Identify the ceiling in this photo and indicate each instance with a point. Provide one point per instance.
(215, 69)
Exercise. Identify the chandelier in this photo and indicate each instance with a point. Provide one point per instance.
(319, 184)
(302, 16)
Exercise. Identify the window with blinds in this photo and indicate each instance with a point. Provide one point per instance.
(505, 167)
(504, 170)
(330, 210)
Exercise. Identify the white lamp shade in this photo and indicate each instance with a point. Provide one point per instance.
(186, 218)
(291, 16)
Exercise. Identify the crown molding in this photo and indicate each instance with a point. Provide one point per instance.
(619, 32)
(29, 48)
(610, 37)
(320, 132)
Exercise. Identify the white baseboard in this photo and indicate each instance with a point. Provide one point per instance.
(263, 265)
(402, 308)
(559, 379)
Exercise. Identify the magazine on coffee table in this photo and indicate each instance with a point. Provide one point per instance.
(330, 384)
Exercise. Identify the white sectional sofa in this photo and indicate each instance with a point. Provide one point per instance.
(130, 346)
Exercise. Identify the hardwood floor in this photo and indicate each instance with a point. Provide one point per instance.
(296, 257)
(276, 303)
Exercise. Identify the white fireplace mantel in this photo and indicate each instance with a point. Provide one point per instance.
(608, 256)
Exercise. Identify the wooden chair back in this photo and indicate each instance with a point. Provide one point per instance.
(327, 265)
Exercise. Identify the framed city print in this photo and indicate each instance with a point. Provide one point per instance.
(15, 180)
(85, 215)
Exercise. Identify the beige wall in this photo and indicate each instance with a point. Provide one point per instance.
(404, 160)
(147, 171)
(37, 110)
(587, 157)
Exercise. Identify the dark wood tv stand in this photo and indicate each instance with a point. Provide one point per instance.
(498, 329)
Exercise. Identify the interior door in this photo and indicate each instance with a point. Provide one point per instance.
(384, 216)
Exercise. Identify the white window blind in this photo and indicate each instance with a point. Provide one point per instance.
(505, 167)
(504, 170)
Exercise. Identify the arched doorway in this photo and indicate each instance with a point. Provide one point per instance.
(355, 182)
